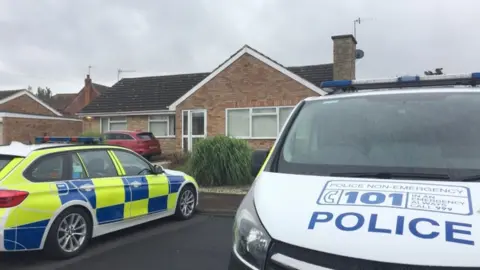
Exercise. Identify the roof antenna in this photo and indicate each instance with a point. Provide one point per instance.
(120, 71)
(358, 21)
(89, 69)
(355, 26)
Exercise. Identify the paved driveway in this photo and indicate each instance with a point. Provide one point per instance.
(201, 243)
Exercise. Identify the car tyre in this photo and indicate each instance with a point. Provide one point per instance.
(65, 226)
(186, 203)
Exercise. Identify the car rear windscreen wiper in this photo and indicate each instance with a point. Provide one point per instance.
(390, 175)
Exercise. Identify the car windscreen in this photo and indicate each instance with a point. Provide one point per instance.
(436, 133)
(145, 136)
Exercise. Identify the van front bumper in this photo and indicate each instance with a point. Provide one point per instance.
(236, 264)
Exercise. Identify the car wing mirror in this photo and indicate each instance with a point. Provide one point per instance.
(158, 169)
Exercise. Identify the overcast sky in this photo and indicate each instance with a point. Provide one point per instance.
(52, 42)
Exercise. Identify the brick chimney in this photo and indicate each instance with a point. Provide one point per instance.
(344, 48)
(88, 93)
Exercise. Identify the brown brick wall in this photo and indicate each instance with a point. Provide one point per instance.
(344, 48)
(25, 104)
(134, 123)
(25, 130)
(80, 101)
(92, 125)
(248, 82)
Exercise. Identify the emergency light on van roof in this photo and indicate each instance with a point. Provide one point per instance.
(80, 140)
(469, 79)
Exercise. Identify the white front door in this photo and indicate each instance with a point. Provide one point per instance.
(194, 127)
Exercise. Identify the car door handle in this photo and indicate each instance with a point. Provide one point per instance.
(135, 184)
(87, 187)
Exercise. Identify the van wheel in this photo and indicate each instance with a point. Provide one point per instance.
(187, 201)
(69, 234)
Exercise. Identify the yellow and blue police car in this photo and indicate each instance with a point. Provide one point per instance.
(56, 197)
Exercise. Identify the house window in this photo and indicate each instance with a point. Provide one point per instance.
(260, 122)
(162, 125)
(113, 123)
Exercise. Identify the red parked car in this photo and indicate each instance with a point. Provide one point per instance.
(144, 143)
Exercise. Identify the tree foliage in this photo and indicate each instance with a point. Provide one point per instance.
(44, 94)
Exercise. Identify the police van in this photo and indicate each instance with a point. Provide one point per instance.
(376, 174)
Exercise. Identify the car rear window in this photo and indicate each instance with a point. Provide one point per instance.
(146, 136)
(4, 161)
(117, 136)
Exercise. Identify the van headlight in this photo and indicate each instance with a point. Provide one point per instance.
(250, 239)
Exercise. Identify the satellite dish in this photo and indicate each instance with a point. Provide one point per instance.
(359, 54)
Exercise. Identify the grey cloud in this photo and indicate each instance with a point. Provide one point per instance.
(52, 42)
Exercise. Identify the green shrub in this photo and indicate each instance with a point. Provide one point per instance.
(221, 160)
(178, 160)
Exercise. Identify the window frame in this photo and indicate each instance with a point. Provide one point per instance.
(27, 172)
(109, 122)
(168, 115)
(252, 114)
(119, 174)
(113, 150)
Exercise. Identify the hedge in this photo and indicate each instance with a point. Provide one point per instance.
(221, 160)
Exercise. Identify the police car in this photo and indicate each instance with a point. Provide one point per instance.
(377, 174)
(57, 196)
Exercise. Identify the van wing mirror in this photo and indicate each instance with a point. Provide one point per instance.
(258, 158)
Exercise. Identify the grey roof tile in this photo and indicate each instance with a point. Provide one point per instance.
(158, 92)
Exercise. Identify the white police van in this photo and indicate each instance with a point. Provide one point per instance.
(386, 176)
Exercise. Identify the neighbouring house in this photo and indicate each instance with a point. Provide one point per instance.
(24, 116)
(71, 104)
(248, 96)
(60, 101)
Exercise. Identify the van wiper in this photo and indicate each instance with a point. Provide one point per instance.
(471, 178)
(390, 175)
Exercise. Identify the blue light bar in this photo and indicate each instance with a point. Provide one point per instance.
(84, 140)
(468, 79)
(408, 79)
(343, 83)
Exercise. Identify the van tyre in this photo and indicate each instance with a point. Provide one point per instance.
(69, 234)
(186, 203)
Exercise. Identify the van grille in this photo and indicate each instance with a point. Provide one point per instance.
(338, 262)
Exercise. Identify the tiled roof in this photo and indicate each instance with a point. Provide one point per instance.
(100, 87)
(6, 93)
(158, 92)
(144, 94)
(61, 101)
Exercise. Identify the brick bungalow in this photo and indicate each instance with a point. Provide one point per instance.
(248, 96)
(24, 116)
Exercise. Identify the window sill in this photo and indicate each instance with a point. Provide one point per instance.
(165, 137)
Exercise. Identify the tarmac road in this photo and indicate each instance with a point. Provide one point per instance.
(201, 243)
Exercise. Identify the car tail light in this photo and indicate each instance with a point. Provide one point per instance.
(11, 198)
